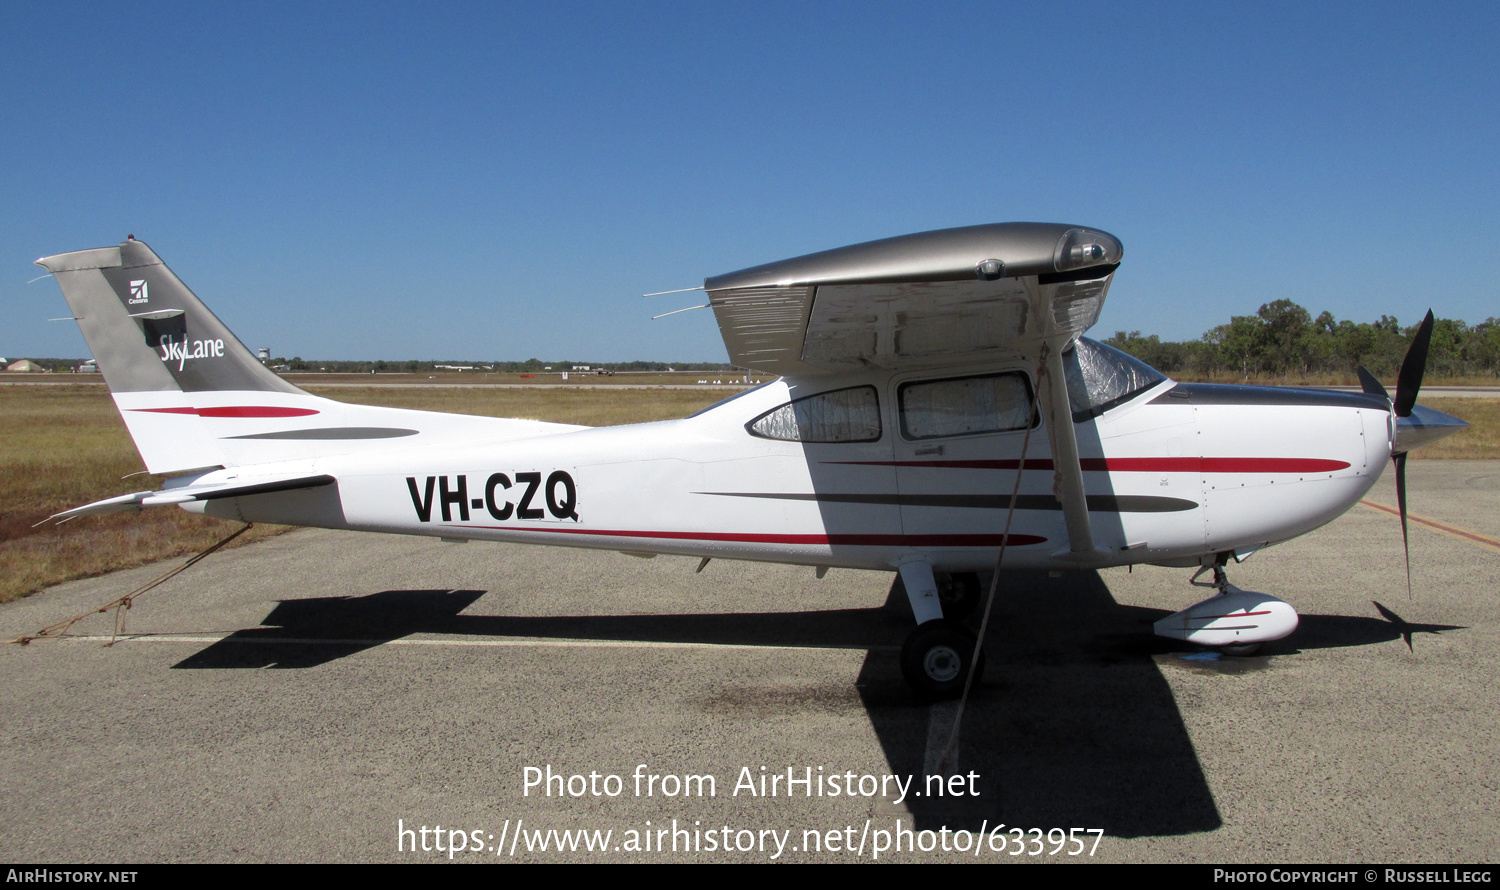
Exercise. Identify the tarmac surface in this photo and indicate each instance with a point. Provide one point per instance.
(309, 697)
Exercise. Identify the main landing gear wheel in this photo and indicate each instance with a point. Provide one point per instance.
(936, 658)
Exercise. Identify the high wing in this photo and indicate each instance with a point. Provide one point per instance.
(933, 299)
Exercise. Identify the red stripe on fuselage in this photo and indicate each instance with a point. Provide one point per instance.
(1134, 464)
(751, 538)
(234, 411)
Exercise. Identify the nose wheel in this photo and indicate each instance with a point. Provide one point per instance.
(1234, 621)
(1240, 650)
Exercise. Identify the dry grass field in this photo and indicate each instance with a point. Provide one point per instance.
(66, 446)
(311, 380)
(1317, 380)
(1481, 441)
(591, 407)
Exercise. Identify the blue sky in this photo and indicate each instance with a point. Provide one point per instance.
(494, 181)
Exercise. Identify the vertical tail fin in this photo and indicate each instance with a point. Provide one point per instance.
(194, 397)
(115, 288)
(155, 343)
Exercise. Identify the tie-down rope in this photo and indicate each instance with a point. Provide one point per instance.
(123, 604)
(945, 762)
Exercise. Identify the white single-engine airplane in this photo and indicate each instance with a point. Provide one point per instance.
(937, 412)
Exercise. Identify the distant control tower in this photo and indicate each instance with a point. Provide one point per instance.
(264, 354)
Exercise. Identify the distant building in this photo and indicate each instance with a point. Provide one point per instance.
(25, 365)
(88, 367)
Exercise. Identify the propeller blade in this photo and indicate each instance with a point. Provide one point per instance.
(1412, 367)
(1400, 460)
(1369, 384)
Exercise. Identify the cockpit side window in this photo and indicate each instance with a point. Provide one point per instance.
(965, 405)
(842, 415)
(1100, 377)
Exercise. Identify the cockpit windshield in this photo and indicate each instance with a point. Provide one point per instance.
(1101, 377)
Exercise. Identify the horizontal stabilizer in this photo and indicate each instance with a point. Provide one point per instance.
(184, 494)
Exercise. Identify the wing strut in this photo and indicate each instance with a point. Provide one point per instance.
(1067, 473)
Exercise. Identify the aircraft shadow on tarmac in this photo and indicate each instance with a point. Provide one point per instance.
(1073, 726)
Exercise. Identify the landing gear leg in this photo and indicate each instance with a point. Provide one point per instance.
(938, 655)
(1239, 650)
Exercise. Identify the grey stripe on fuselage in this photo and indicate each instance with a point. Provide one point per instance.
(1235, 394)
(334, 432)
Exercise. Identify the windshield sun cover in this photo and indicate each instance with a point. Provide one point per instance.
(1100, 377)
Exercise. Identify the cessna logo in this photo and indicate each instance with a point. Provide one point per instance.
(139, 292)
(172, 350)
(446, 493)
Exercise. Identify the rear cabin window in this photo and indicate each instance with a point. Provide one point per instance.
(842, 415)
(963, 406)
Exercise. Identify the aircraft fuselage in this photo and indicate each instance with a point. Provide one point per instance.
(1176, 474)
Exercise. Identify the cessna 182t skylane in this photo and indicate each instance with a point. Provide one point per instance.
(935, 400)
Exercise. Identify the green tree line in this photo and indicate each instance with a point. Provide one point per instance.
(1283, 339)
